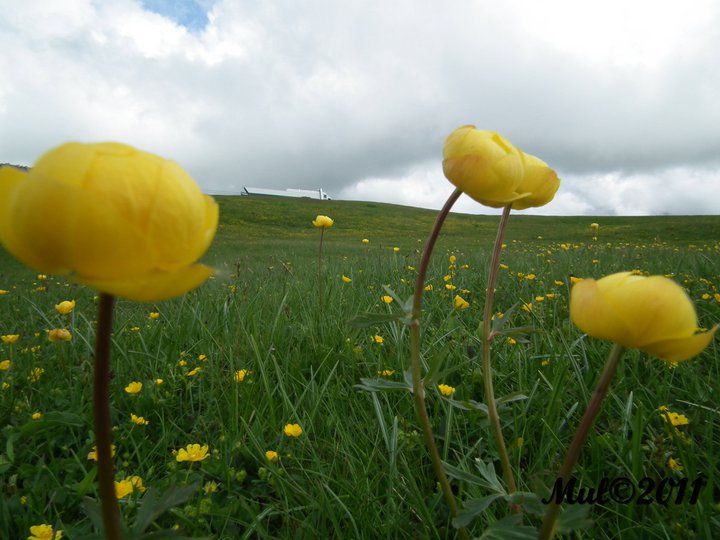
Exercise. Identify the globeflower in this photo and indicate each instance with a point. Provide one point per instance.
(59, 334)
(271, 456)
(134, 387)
(65, 307)
(460, 303)
(292, 430)
(653, 314)
(192, 452)
(446, 390)
(44, 532)
(10, 339)
(125, 222)
(323, 222)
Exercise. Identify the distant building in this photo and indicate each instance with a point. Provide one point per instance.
(307, 193)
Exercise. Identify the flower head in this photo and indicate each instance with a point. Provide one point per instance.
(365, 241)
(93, 453)
(271, 456)
(292, 430)
(139, 420)
(446, 390)
(112, 217)
(44, 532)
(594, 226)
(673, 418)
(5, 365)
(65, 307)
(240, 375)
(59, 334)
(154, 315)
(192, 452)
(377, 339)
(387, 299)
(653, 314)
(10, 339)
(134, 387)
(460, 303)
(346, 279)
(323, 222)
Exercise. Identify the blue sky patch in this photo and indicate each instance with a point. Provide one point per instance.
(192, 14)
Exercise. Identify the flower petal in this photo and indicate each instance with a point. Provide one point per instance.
(677, 350)
(591, 312)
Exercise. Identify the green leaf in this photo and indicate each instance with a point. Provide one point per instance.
(528, 501)
(574, 517)
(85, 485)
(487, 471)
(153, 505)
(472, 508)
(511, 398)
(469, 405)
(380, 385)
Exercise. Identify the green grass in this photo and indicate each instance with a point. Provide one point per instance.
(360, 469)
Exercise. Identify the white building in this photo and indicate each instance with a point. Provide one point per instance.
(309, 193)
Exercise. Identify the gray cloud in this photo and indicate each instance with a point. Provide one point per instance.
(357, 98)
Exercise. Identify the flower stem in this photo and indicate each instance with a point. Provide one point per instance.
(417, 382)
(487, 337)
(320, 279)
(573, 453)
(101, 405)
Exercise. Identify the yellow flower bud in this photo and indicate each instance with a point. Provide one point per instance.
(123, 221)
(653, 314)
(65, 307)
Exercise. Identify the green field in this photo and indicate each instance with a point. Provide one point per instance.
(359, 469)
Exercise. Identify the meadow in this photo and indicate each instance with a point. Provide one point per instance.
(232, 363)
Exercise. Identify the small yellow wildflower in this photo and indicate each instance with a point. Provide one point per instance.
(539, 298)
(59, 334)
(93, 453)
(42, 277)
(154, 315)
(527, 307)
(460, 303)
(65, 307)
(511, 341)
(192, 452)
(452, 259)
(158, 382)
(574, 280)
(44, 532)
(377, 339)
(210, 487)
(139, 420)
(387, 299)
(271, 456)
(365, 241)
(519, 442)
(504, 266)
(5, 365)
(346, 279)
(428, 288)
(292, 430)
(4, 385)
(35, 374)
(202, 357)
(450, 287)
(550, 296)
(3, 291)
(530, 277)
(674, 464)
(559, 283)
(37, 415)
(447, 277)
(194, 371)
(134, 387)
(386, 372)
(323, 222)
(240, 375)
(396, 249)
(446, 390)
(23, 500)
(10, 339)
(545, 363)
(673, 418)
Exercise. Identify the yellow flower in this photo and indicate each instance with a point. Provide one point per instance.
(5, 365)
(44, 532)
(37, 415)
(210, 487)
(365, 241)
(559, 283)
(386, 372)
(428, 288)
(594, 226)
(539, 298)
(387, 299)
(194, 371)
(123, 221)
(10, 339)
(460, 303)
(65, 307)
(93, 453)
(241, 374)
(504, 266)
(674, 464)
(154, 315)
(530, 277)
(446, 390)
(134, 387)
(377, 339)
(450, 287)
(653, 314)
(139, 420)
(202, 357)
(511, 341)
(35, 374)
(673, 418)
(539, 180)
(158, 382)
(292, 430)
(3, 291)
(123, 488)
(396, 249)
(271, 456)
(527, 307)
(346, 279)
(192, 452)
(574, 280)
(59, 334)
(452, 259)
(323, 222)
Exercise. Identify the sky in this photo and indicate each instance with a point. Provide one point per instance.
(621, 98)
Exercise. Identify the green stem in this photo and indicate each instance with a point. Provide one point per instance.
(573, 453)
(493, 416)
(101, 405)
(417, 382)
(320, 279)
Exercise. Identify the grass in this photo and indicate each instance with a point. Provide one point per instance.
(359, 470)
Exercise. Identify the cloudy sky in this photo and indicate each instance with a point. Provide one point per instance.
(621, 98)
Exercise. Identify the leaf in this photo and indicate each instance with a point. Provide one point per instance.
(472, 508)
(511, 398)
(509, 528)
(528, 501)
(469, 405)
(86, 483)
(154, 504)
(92, 511)
(379, 385)
(487, 471)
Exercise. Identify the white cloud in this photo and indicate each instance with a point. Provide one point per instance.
(357, 97)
